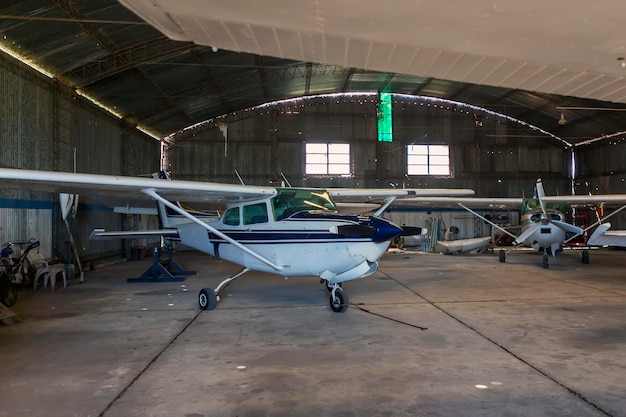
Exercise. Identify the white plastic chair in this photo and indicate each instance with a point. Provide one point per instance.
(49, 272)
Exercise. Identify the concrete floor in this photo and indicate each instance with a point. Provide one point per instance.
(507, 339)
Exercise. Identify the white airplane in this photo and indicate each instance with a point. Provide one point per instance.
(543, 225)
(285, 231)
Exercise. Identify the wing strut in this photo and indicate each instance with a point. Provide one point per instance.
(152, 193)
(488, 221)
(388, 202)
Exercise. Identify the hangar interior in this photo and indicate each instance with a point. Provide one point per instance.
(113, 95)
(91, 87)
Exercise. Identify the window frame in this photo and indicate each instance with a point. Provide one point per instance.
(249, 218)
(332, 161)
(429, 167)
(229, 216)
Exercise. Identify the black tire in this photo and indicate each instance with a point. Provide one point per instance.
(340, 303)
(8, 290)
(502, 255)
(9, 298)
(545, 262)
(207, 299)
(585, 257)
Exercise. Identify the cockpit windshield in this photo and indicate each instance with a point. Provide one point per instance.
(530, 204)
(292, 200)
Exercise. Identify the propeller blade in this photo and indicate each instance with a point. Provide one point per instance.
(412, 231)
(568, 227)
(540, 195)
(354, 230)
(527, 233)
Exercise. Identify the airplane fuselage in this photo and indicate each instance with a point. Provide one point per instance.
(546, 235)
(297, 233)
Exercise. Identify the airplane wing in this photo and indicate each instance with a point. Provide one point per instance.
(122, 189)
(587, 200)
(357, 208)
(345, 194)
(101, 234)
(367, 196)
(475, 202)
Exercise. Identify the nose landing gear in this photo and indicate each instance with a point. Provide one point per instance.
(338, 299)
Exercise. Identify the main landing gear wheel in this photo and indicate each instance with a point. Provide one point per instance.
(207, 299)
(502, 255)
(545, 261)
(338, 300)
(585, 257)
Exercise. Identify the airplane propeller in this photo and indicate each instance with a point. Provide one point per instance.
(568, 227)
(540, 195)
(545, 219)
(527, 233)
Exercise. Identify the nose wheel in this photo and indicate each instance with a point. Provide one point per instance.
(207, 299)
(338, 299)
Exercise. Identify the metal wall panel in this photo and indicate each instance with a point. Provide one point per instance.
(602, 168)
(486, 153)
(26, 141)
(20, 225)
(212, 161)
(47, 127)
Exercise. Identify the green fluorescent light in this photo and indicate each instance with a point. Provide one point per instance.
(383, 111)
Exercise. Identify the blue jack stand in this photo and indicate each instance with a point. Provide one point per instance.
(167, 271)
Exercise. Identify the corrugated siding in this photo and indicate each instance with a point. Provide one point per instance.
(602, 170)
(494, 157)
(47, 127)
(20, 225)
(26, 140)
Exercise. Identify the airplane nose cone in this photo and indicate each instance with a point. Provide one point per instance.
(385, 230)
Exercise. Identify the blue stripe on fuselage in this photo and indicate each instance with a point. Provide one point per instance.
(288, 236)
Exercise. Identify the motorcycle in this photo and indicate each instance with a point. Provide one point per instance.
(15, 270)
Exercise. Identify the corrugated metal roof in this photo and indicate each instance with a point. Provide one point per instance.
(103, 49)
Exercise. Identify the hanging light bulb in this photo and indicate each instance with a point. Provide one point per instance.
(562, 120)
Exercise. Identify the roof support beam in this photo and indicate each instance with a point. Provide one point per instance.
(261, 69)
(124, 59)
(307, 82)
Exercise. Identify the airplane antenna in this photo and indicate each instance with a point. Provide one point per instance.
(239, 176)
(285, 179)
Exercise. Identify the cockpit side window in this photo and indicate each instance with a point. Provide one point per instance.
(255, 213)
(279, 206)
(231, 217)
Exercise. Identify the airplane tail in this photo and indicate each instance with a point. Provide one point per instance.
(600, 237)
